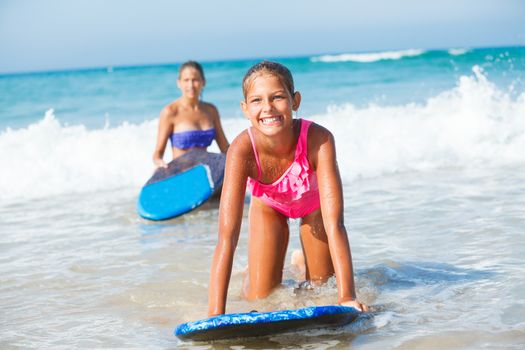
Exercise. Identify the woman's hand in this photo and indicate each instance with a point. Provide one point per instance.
(356, 304)
(159, 163)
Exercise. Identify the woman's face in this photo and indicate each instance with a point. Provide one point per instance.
(190, 82)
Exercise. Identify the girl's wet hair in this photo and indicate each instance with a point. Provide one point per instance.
(268, 67)
(192, 64)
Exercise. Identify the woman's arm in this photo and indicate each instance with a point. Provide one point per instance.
(332, 209)
(230, 217)
(220, 137)
(164, 131)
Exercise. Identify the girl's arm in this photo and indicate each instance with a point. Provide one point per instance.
(164, 131)
(230, 217)
(220, 137)
(332, 209)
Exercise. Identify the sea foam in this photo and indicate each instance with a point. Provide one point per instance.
(49, 158)
(474, 124)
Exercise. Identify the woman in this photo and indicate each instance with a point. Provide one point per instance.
(188, 122)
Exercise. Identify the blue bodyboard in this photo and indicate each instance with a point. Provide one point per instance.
(254, 324)
(187, 182)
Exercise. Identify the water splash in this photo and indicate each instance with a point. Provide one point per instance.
(475, 124)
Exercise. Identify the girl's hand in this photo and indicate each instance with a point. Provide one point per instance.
(356, 304)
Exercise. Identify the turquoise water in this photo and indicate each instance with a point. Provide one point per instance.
(134, 94)
(430, 149)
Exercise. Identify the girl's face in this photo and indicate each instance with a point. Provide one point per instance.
(269, 105)
(190, 82)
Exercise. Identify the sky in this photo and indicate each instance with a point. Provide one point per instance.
(38, 35)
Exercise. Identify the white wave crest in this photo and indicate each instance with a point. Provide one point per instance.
(369, 57)
(474, 124)
(457, 52)
(48, 158)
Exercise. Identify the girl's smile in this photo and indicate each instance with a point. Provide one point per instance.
(271, 121)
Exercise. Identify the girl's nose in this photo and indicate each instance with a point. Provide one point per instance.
(267, 105)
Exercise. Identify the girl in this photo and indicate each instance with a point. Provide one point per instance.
(290, 167)
(188, 122)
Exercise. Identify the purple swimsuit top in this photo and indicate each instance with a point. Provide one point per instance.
(192, 138)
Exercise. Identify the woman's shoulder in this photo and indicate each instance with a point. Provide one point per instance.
(209, 108)
(211, 112)
(170, 110)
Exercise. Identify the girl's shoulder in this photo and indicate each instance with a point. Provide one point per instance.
(320, 140)
(318, 134)
(242, 145)
(241, 152)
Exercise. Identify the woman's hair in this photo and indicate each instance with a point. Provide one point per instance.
(268, 67)
(192, 64)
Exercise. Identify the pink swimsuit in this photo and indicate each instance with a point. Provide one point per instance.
(296, 193)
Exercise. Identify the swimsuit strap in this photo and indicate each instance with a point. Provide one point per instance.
(255, 153)
(302, 143)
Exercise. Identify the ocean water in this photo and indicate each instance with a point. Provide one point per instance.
(431, 152)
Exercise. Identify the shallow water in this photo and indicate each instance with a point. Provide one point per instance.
(430, 149)
(438, 256)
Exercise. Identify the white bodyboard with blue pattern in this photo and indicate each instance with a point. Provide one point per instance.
(254, 324)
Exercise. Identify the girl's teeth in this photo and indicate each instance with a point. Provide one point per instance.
(269, 120)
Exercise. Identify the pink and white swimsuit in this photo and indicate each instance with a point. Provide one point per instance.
(296, 193)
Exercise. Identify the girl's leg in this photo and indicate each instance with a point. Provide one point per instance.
(267, 243)
(317, 257)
